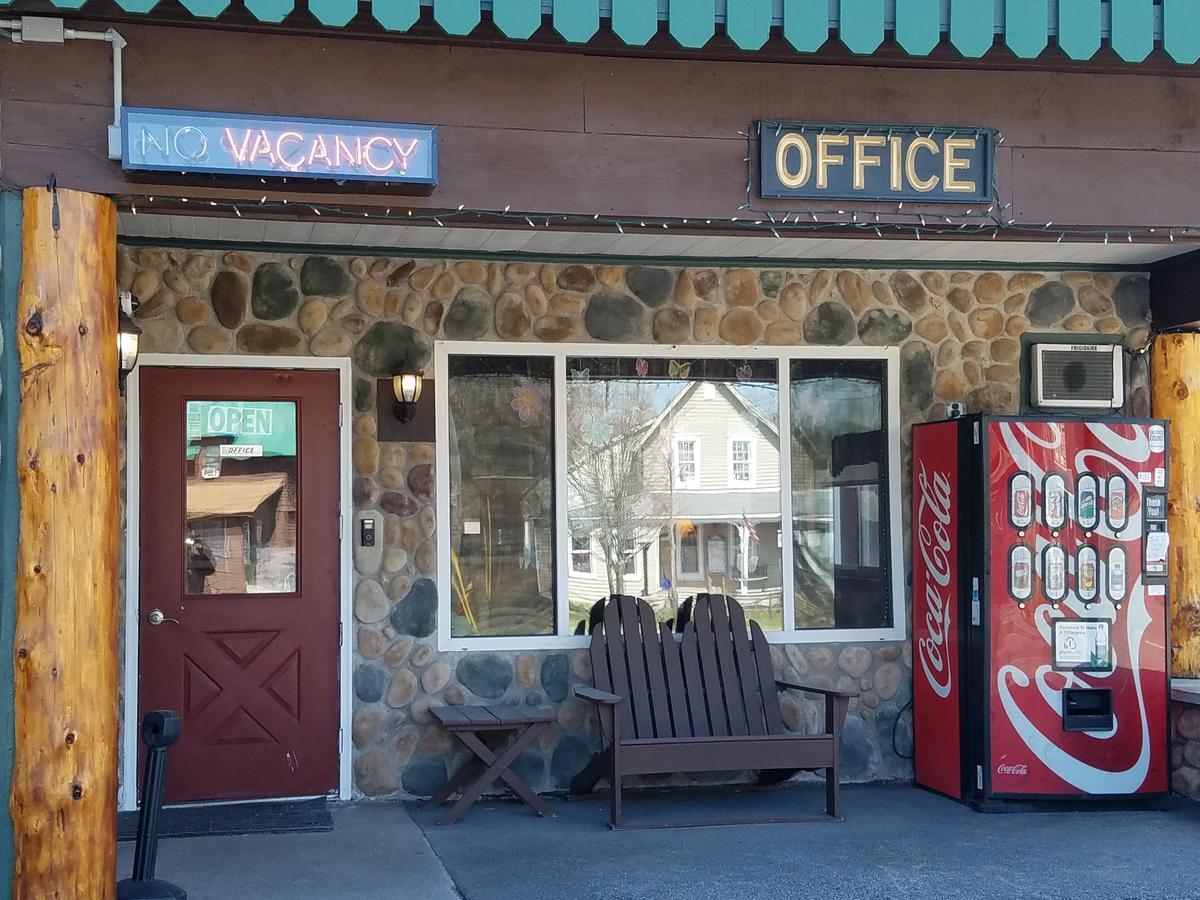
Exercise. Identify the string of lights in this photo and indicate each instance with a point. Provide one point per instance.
(879, 219)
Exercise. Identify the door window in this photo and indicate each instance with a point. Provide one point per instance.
(240, 474)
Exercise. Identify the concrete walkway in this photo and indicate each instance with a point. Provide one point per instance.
(374, 852)
(897, 841)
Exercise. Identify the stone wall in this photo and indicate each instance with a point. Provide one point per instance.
(959, 338)
(1185, 749)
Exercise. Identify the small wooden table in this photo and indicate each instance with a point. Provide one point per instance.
(484, 730)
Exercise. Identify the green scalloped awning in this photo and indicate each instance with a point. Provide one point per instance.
(1079, 27)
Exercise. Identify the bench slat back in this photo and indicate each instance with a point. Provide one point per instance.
(716, 681)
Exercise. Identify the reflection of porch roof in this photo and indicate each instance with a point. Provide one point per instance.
(231, 495)
(726, 506)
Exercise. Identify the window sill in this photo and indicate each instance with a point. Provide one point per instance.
(581, 642)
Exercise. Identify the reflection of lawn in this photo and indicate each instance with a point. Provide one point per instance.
(768, 619)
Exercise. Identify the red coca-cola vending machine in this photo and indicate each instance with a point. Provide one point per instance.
(1040, 618)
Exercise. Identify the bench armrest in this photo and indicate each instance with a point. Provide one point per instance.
(828, 692)
(595, 695)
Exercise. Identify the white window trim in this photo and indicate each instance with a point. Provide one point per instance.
(753, 460)
(560, 352)
(692, 483)
(591, 569)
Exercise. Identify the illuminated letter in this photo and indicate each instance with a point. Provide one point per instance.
(319, 151)
(371, 165)
(861, 161)
(295, 138)
(238, 151)
(910, 165)
(403, 154)
(262, 147)
(193, 150)
(340, 147)
(825, 159)
(952, 163)
(149, 138)
(786, 177)
(897, 157)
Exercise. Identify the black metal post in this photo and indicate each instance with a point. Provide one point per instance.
(160, 729)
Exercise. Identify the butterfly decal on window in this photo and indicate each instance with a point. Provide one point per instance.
(744, 373)
(581, 374)
(642, 368)
(676, 369)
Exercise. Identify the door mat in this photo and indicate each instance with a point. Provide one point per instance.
(276, 817)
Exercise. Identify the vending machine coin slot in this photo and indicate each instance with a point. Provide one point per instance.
(1087, 709)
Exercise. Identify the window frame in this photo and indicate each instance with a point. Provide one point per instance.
(692, 484)
(751, 461)
(559, 354)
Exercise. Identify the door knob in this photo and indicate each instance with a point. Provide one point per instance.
(156, 617)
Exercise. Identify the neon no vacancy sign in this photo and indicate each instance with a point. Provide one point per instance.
(206, 143)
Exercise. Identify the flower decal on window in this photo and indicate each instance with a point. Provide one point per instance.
(744, 373)
(529, 400)
(816, 413)
(597, 430)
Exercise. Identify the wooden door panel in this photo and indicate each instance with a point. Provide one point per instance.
(248, 651)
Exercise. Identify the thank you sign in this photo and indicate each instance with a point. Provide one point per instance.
(208, 143)
(812, 161)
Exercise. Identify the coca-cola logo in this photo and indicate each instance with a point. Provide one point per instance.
(936, 547)
(1012, 769)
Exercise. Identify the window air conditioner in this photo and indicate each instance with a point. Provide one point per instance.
(1078, 376)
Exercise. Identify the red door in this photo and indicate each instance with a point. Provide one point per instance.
(239, 599)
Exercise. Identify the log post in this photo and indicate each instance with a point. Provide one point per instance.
(1175, 374)
(64, 785)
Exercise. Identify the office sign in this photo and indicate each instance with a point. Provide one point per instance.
(205, 143)
(807, 161)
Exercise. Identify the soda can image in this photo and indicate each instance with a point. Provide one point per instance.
(1054, 573)
(1020, 500)
(1086, 509)
(1020, 572)
(1085, 570)
(1116, 574)
(1055, 500)
(1117, 508)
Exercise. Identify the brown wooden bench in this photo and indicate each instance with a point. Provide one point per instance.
(706, 703)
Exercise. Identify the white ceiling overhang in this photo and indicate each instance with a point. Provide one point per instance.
(650, 243)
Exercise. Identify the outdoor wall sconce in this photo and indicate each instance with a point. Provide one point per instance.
(406, 385)
(129, 336)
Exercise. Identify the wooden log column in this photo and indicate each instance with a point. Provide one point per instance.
(64, 785)
(1175, 372)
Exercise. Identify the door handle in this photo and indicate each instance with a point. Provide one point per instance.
(156, 617)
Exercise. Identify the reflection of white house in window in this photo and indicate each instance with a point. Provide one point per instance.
(687, 461)
(707, 516)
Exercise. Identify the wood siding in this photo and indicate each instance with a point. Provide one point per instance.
(560, 132)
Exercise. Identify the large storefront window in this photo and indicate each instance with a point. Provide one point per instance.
(664, 477)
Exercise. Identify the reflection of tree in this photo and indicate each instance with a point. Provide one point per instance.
(616, 490)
